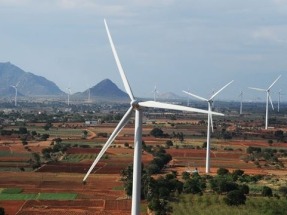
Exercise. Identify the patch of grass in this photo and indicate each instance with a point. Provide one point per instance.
(39, 196)
(20, 196)
(12, 190)
(56, 196)
(118, 188)
(212, 204)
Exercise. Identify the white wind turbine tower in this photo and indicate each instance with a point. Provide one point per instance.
(16, 92)
(69, 94)
(209, 123)
(268, 99)
(138, 108)
(241, 100)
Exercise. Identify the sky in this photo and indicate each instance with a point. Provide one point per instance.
(193, 45)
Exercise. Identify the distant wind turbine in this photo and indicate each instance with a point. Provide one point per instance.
(69, 94)
(16, 92)
(138, 107)
(268, 99)
(155, 93)
(209, 122)
(241, 100)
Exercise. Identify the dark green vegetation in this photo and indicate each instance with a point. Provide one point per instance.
(195, 194)
(17, 194)
(214, 204)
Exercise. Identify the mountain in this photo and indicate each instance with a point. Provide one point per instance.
(29, 84)
(168, 96)
(106, 90)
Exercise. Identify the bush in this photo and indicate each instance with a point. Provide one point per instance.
(169, 143)
(235, 197)
(244, 188)
(222, 171)
(267, 191)
(156, 132)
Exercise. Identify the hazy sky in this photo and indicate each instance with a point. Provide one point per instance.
(198, 45)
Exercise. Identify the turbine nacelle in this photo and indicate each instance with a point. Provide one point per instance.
(135, 104)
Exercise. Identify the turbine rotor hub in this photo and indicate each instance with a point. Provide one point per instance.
(135, 104)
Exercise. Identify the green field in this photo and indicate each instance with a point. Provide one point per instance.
(16, 194)
(39, 196)
(212, 204)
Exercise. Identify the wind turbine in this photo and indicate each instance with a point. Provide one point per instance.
(16, 92)
(136, 106)
(209, 122)
(268, 99)
(155, 93)
(69, 94)
(241, 100)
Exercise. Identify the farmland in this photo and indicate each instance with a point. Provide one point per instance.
(44, 175)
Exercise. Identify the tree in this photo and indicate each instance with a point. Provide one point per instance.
(23, 130)
(185, 175)
(236, 174)
(222, 171)
(36, 161)
(204, 145)
(169, 143)
(267, 191)
(244, 188)
(156, 132)
(235, 197)
(159, 206)
(127, 178)
(84, 134)
(192, 186)
(47, 126)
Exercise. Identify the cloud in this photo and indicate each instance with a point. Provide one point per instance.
(270, 33)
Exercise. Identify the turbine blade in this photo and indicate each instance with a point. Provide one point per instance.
(153, 104)
(117, 130)
(198, 97)
(274, 82)
(270, 100)
(120, 68)
(220, 90)
(258, 89)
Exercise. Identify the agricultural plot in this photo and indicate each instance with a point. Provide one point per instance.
(13, 194)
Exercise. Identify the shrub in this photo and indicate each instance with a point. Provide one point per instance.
(267, 191)
(235, 197)
(222, 171)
